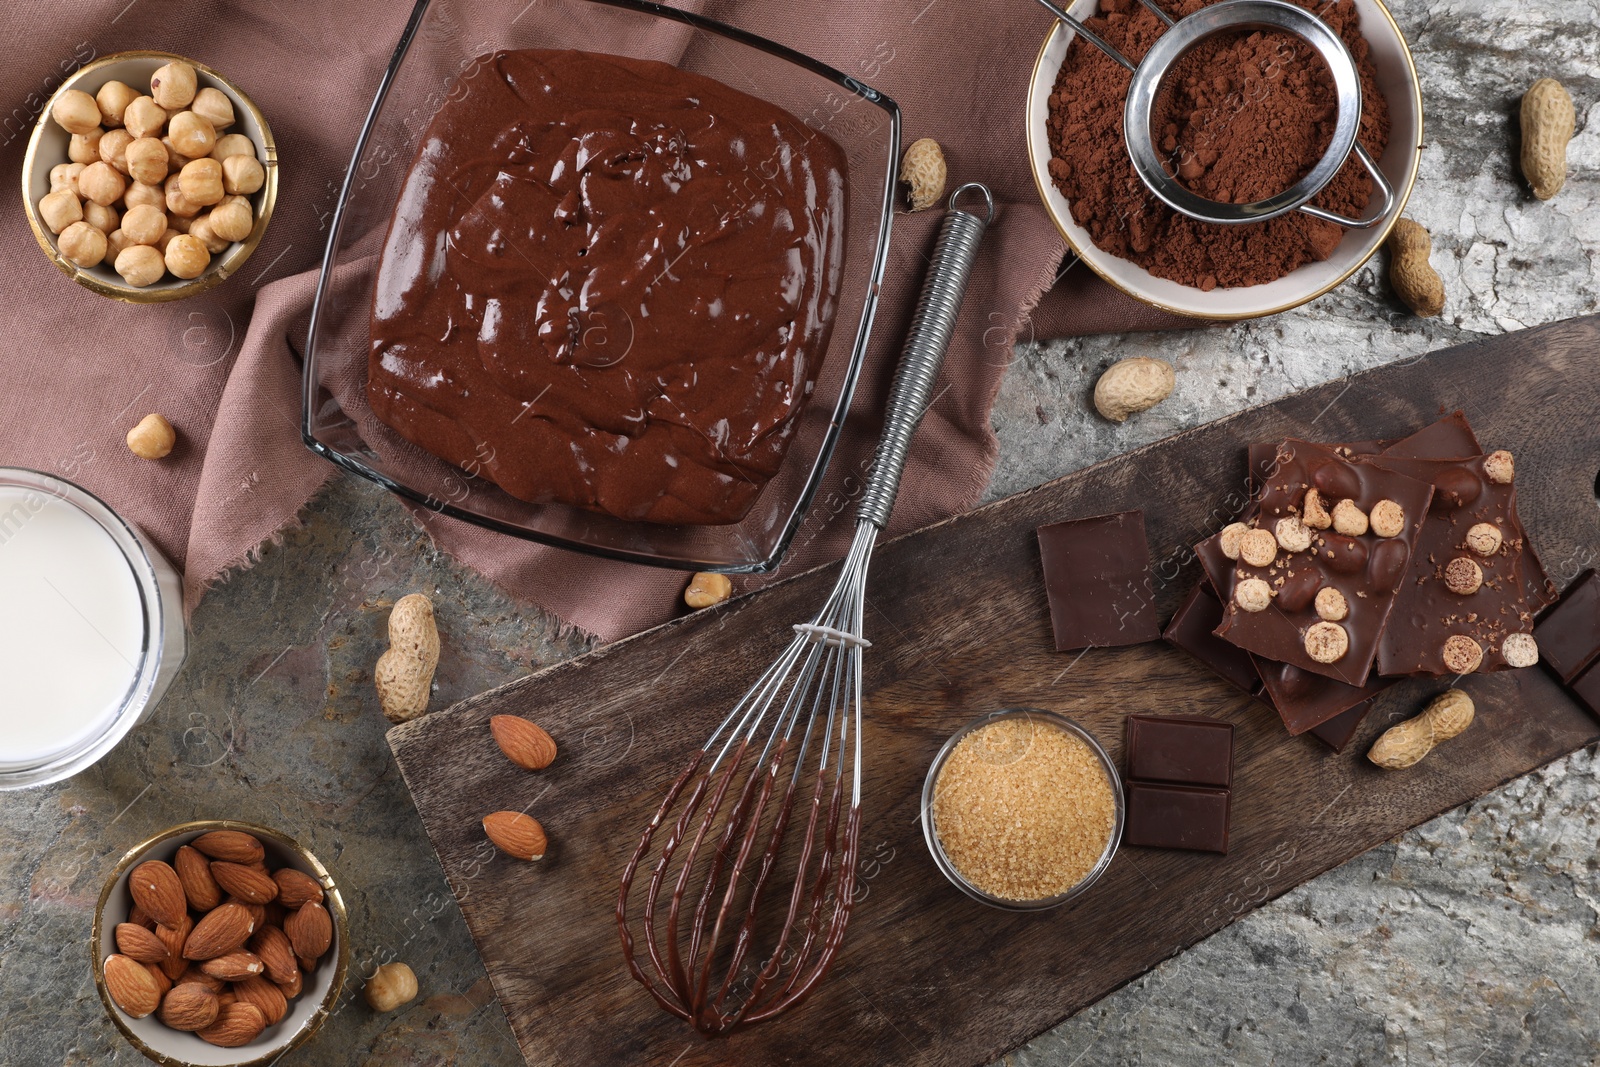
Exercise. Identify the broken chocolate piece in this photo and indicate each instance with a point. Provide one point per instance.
(1097, 576)
(1181, 749)
(1177, 816)
(1569, 633)
(1190, 630)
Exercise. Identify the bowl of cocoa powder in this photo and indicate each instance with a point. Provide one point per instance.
(1240, 117)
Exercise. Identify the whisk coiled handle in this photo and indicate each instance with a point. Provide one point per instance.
(931, 326)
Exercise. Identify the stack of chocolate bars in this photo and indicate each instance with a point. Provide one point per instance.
(1358, 564)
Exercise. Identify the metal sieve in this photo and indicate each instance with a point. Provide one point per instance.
(1181, 36)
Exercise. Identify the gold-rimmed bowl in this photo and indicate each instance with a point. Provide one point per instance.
(1396, 79)
(174, 1048)
(47, 147)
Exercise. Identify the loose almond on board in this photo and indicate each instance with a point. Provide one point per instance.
(131, 986)
(525, 743)
(516, 834)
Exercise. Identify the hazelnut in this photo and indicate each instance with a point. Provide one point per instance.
(116, 241)
(144, 225)
(173, 85)
(242, 175)
(105, 219)
(233, 144)
(186, 255)
(1316, 513)
(114, 149)
(113, 99)
(165, 240)
(144, 117)
(1520, 650)
(1258, 548)
(706, 589)
(177, 203)
(390, 986)
(102, 183)
(1484, 538)
(191, 135)
(1462, 654)
(83, 245)
(1499, 467)
(59, 210)
(1388, 519)
(1331, 604)
(147, 195)
(214, 106)
(154, 437)
(65, 176)
(140, 265)
(1253, 595)
(1327, 642)
(200, 181)
(85, 147)
(201, 228)
(1293, 534)
(180, 224)
(175, 158)
(1463, 576)
(1349, 519)
(75, 111)
(147, 160)
(231, 220)
(1229, 540)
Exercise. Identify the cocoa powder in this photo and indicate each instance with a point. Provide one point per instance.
(1240, 118)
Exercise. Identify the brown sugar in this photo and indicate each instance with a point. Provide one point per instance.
(1241, 117)
(1023, 809)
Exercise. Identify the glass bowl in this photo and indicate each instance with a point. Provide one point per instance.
(936, 847)
(440, 41)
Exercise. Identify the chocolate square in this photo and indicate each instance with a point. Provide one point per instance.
(1177, 816)
(1097, 575)
(1181, 749)
(1569, 633)
(1190, 630)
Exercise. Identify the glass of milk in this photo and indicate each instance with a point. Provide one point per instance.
(91, 628)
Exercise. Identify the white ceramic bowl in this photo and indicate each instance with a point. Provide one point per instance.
(48, 147)
(1397, 80)
(320, 994)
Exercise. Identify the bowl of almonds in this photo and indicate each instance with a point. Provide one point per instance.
(219, 943)
(149, 177)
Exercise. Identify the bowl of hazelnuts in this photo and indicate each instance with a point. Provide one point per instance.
(149, 177)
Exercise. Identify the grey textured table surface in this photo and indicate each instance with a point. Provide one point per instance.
(1474, 939)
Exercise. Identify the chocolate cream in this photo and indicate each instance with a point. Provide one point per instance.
(609, 283)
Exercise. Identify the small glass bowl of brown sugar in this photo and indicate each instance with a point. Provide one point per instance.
(1022, 809)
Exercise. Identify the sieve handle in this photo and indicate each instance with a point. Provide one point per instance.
(1384, 188)
(932, 324)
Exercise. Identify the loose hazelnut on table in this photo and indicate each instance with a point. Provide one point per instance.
(114, 149)
(144, 118)
(1258, 548)
(1327, 642)
(1253, 594)
(1484, 538)
(85, 147)
(707, 589)
(1332, 605)
(1388, 518)
(83, 245)
(144, 225)
(104, 219)
(390, 986)
(173, 85)
(1520, 650)
(1500, 467)
(191, 135)
(1292, 534)
(200, 182)
(1462, 654)
(233, 144)
(154, 437)
(113, 99)
(214, 106)
(65, 176)
(231, 220)
(147, 194)
(1349, 519)
(1229, 541)
(186, 255)
(140, 265)
(147, 160)
(1463, 576)
(102, 183)
(242, 175)
(75, 111)
(59, 210)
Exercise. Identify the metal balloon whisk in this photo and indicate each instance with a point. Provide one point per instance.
(712, 955)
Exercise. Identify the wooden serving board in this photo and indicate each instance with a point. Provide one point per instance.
(959, 625)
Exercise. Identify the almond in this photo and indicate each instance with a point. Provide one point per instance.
(244, 882)
(293, 987)
(156, 889)
(306, 965)
(237, 1024)
(189, 1006)
(266, 997)
(296, 887)
(139, 917)
(310, 930)
(175, 937)
(131, 986)
(516, 834)
(140, 944)
(525, 743)
(163, 983)
(194, 873)
(272, 945)
(218, 933)
(234, 967)
(258, 912)
(232, 846)
(195, 974)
